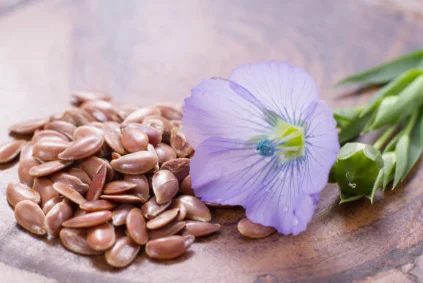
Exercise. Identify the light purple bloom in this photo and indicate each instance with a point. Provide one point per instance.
(263, 140)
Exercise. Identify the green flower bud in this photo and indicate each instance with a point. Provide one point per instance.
(357, 171)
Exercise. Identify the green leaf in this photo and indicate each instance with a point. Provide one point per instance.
(386, 72)
(415, 148)
(401, 152)
(345, 116)
(393, 88)
(354, 129)
(391, 145)
(393, 111)
(376, 185)
(389, 161)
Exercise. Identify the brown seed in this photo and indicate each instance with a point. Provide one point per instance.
(122, 198)
(196, 209)
(160, 123)
(16, 192)
(176, 203)
(122, 253)
(179, 167)
(138, 115)
(62, 127)
(199, 229)
(9, 150)
(154, 135)
(120, 214)
(79, 97)
(28, 127)
(48, 150)
(186, 186)
(97, 183)
(136, 226)
(168, 230)
(179, 143)
(113, 137)
(170, 112)
(169, 247)
(101, 110)
(162, 219)
(135, 163)
(92, 164)
(26, 162)
(151, 208)
(101, 237)
(115, 155)
(48, 168)
(77, 117)
(30, 216)
(79, 212)
(48, 205)
(58, 214)
(250, 229)
(86, 131)
(69, 193)
(134, 139)
(48, 135)
(165, 186)
(71, 181)
(45, 188)
(88, 220)
(97, 205)
(118, 187)
(82, 148)
(83, 176)
(75, 240)
(141, 189)
(165, 153)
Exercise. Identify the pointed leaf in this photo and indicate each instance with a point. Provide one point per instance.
(401, 152)
(376, 185)
(389, 161)
(345, 116)
(354, 129)
(386, 72)
(415, 148)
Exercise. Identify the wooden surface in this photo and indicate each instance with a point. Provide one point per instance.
(149, 51)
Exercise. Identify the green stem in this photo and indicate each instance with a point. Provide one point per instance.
(385, 137)
(406, 131)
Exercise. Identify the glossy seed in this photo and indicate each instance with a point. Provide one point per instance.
(82, 175)
(58, 214)
(179, 143)
(28, 127)
(69, 193)
(48, 135)
(165, 153)
(134, 139)
(170, 112)
(186, 186)
(16, 192)
(48, 168)
(168, 230)
(177, 203)
(162, 219)
(86, 131)
(97, 205)
(136, 226)
(97, 183)
(122, 253)
(123, 198)
(79, 97)
(91, 165)
(101, 237)
(199, 229)
(71, 181)
(102, 111)
(26, 162)
(48, 150)
(160, 123)
(169, 247)
(154, 135)
(88, 220)
(118, 187)
(141, 188)
(30, 216)
(48, 205)
(45, 188)
(138, 115)
(196, 209)
(120, 214)
(62, 127)
(135, 163)
(9, 150)
(179, 167)
(165, 186)
(83, 148)
(75, 240)
(113, 137)
(151, 208)
(250, 229)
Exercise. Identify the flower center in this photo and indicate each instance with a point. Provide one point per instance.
(265, 147)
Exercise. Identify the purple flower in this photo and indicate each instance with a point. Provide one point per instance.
(264, 141)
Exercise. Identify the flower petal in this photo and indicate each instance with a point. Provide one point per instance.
(216, 109)
(280, 87)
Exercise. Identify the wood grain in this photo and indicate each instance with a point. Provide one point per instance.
(148, 51)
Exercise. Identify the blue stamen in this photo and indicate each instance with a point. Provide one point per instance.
(266, 148)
